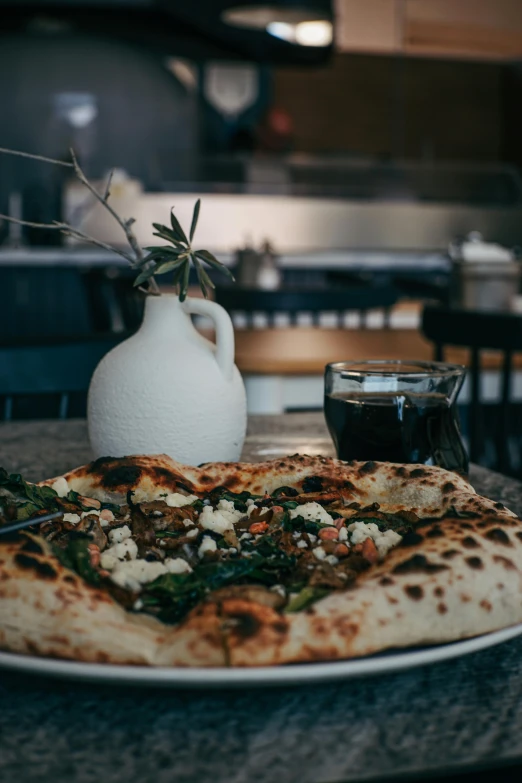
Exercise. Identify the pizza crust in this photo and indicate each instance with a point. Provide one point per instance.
(448, 580)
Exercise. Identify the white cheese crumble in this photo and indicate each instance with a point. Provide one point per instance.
(177, 500)
(343, 534)
(312, 538)
(207, 545)
(132, 574)
(192, 533)
(384, 541)
(90, 513)
(319, 553)
(313, 511)
(61, 487)
(72, 518)
(332, 559)
(176, 565)
(121, 552)
(280, 589)
(250, 502)
(302, 544)
(119, 534)
(220, 519)
(251, 508)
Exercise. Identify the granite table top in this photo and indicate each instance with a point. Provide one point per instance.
(457, 715)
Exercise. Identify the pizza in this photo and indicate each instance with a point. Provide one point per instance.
(241, 564)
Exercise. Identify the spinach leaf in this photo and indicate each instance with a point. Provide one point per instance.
(289, 492)
(306, 597)
(76, 556)
(29, 497)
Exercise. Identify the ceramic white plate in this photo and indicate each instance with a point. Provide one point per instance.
(303, 674)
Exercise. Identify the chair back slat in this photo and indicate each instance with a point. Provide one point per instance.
(478, 331)
(313, 301)
(50, 368)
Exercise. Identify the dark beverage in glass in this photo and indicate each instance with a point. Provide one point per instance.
(396, 412)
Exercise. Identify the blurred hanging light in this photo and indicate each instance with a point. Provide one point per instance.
(297, 25)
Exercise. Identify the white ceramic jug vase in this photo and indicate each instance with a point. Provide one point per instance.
(169, 390)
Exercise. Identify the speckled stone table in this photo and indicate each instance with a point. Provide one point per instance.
(448, 716)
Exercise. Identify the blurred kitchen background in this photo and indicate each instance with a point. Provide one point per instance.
(339, 146)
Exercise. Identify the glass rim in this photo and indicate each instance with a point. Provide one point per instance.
(425, 369)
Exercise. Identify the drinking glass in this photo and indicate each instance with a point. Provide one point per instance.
(396, 411)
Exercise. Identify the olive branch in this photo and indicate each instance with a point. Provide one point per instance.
(176, 257)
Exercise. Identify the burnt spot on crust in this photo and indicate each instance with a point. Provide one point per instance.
(439, 592)
(499, 506)
(98, 464)
(434, 532)
(475, 562)
(123, 474)
(348, 485)
(417, 473)
(401, 472)
(386, 581)
(418, 564)
(368, 467)
(245, 624)
(486, 605)
(30, 545)
(497, 535)
(442, 608)
(312, 484)
(505, 561)
(45, 570)
(411, 539)
(450, 553)
(414, 592)
(448, 487)
(69, 578)
(470, 543)
(205, 479)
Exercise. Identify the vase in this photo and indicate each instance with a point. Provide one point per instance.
(169, 390)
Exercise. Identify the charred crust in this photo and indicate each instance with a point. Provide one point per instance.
(43, 569)
(475, 562)
(123, 474)
(368, 467)
(386, 581)
(497, 535)
(312, 484)
(348, 485)
(417, 473)
(505, 561)
(401, 472)
(246, 625)
(411, 539)
(442, 608)
(70, 579)
(418, 564)
(100, 463)
(32, 546)
(450, 553)
(414, 592)
(499, 506)
(439, 592)
(486, 605)
(434, 532)
(470, 543)
(448, 487)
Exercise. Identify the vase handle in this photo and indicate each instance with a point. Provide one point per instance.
(224, 331)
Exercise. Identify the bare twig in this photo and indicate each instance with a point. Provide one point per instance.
(68, 230)
(37, 157)
(133, 258)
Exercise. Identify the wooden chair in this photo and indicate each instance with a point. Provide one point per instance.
(479, 331)
(49, 368)
(250, 301)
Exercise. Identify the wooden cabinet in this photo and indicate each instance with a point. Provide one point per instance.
(477, 29)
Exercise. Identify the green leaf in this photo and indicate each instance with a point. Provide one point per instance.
(144, 275)
(204, 280)
(204, 255)
(166, 233)
(178, 274)
(195, 216)
(184, 284)
(168, 266)
(77, 557)
(178, 232)
(306, 597)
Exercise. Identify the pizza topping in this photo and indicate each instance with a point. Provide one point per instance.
(177, 500)
(207, 545)
(61, 487)
(119, 534)
(72, 518)
(384, 541)
(319, 553)
(125, 550)
(312, 511)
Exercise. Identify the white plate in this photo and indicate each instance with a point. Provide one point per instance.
(259, 676)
